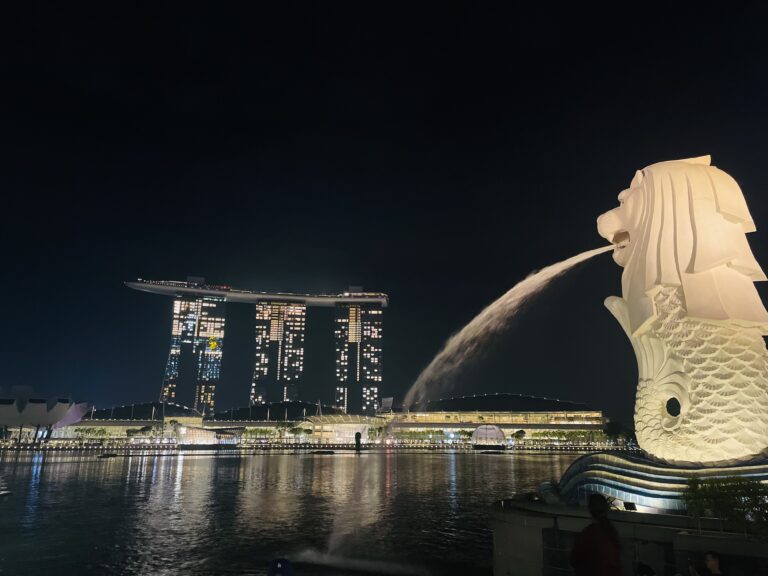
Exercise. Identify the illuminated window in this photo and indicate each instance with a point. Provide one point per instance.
(279, 351)
(197, 326)
(359, 360)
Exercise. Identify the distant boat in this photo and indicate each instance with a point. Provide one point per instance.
(322, 452)
(107, 455)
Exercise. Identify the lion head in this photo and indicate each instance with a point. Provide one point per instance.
(683, 223)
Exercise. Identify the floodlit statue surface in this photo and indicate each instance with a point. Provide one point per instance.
(690, 308)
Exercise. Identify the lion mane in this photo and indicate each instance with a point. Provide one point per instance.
(687, 222)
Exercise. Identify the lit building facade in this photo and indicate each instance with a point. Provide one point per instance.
(358, 335)
(197, 337)
(197, 331)
(279, 351)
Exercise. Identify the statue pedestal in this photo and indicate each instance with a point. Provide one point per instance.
(643, 482)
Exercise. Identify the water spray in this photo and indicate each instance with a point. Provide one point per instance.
(467, 343)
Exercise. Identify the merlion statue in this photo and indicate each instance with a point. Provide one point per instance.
(690, 308)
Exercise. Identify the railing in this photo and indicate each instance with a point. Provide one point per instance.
(131, 444)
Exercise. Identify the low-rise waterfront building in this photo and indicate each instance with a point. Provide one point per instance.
(521, 421)
(342, 428)
(131, 422)
(24, 417)
(525, 420)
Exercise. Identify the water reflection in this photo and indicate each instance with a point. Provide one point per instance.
(33, 493)
(358, 504)
(452, 495)
(199, 514)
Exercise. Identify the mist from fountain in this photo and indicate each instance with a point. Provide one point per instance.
(468, 342)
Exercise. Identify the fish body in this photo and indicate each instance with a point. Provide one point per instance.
(702, 393)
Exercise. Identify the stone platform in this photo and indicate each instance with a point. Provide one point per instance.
(642, 481)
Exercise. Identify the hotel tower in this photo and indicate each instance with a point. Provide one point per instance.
(197, 334)
(359, 357)
(279, 351)
(197, 343)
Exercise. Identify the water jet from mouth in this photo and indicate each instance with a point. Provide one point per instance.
(467, 343)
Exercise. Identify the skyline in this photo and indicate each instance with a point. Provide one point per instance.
(438, 156)
(193, 369)
(356, 287)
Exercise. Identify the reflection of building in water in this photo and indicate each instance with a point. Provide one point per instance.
(358, 504)
(358, 335)
(266, 497)
(185, 490)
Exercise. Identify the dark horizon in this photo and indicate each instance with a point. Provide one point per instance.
(438, 155)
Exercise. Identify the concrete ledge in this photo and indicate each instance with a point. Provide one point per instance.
(533, 538)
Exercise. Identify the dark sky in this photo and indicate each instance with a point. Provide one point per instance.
(434, 151)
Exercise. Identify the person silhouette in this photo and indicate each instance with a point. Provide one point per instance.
(597, 549)
(711, 563)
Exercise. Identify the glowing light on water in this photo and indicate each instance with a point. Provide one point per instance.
(464, 345)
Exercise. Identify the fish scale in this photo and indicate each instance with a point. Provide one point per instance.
(726, 387)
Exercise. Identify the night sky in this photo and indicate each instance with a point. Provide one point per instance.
(436, 152)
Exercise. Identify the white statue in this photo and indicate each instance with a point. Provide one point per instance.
(690, 308)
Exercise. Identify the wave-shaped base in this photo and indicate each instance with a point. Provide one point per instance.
(642, 481)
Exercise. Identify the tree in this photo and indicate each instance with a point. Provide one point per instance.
(617, 431)
(88, 432)
(259, 432)
(755, 500)
(695, 503)
(741, 504)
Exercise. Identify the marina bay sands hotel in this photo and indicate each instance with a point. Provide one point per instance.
(197, 332)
